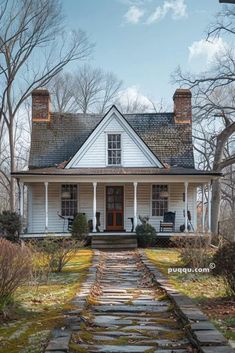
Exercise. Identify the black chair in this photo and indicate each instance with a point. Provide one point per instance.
(168, 223)
(90, 223)
(69, 221)
(70, 224)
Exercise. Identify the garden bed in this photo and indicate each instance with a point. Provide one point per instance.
(37, 309)
(207, 291)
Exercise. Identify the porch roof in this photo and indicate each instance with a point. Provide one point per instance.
(115, 171)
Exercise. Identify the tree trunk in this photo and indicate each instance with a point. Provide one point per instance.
(215, 206)
(12, 164)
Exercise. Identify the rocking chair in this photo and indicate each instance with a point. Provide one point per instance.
(168, 222)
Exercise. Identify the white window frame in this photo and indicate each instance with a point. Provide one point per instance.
(121, 149)
(151, 199)
(74, 184)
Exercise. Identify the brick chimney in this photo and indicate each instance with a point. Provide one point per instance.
(182, 106)
(41, 105)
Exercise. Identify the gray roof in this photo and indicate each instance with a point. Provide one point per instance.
(58, 140)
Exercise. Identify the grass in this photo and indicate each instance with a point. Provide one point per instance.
(207, 291)
(37, 309)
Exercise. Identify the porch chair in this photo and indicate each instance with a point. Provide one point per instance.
(68, 220)
(90, 223)
(168, 222)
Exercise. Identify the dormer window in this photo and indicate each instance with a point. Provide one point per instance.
(114, 149)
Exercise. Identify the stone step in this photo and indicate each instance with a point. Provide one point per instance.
(131, 308)
(128, 349)
(114, 241)
(114, 246)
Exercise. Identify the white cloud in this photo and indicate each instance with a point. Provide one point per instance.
(206, 50)
(177, 8)
(131, 99)
(134, 14)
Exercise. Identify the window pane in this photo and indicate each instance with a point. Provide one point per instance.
(159, 201)
(114, 149)
(68, 200)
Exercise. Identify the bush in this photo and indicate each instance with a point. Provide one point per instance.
(225, 265)
(52, 254)
(194, 251)
(15, 269)
(80, 227)
(146, 235)
(10, 224)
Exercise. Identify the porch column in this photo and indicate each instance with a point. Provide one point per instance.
(46, 206)
(135, 205)
(21, 186)
(94, 206)
(209, 206)
(203, 208)
(186, 206)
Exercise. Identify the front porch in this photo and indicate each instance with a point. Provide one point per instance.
(119, 205)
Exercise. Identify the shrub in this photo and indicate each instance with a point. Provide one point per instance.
(10, 224)
(80, 227)
(225, 265)
(54, 254)
(146, 235)
(15, 269)
(194, 251)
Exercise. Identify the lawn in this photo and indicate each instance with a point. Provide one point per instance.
(37, 309)
(207, 291)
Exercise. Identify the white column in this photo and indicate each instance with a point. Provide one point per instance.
(186, 206)
(209, 207)
(46, 206)
(203, 208)
(135, 205)
(94, 206)
(22, 200)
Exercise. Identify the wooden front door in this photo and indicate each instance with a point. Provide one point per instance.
(114, 208)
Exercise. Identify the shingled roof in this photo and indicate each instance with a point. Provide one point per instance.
(58, 140)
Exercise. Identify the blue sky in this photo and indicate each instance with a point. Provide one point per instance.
(143, 41)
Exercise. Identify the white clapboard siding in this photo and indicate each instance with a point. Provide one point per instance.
(132, 155)
(36, 207)
(36, 220)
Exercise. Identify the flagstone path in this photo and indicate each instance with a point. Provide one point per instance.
(127, 312)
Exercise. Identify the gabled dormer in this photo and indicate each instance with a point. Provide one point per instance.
(114, 143)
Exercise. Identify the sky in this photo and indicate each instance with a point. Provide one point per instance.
(143, 41)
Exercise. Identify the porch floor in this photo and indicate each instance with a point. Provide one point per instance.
(113, 234)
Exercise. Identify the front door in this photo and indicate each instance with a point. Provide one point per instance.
(114, 208)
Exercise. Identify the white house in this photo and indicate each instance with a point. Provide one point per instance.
(117, 166)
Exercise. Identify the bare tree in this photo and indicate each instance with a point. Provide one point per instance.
(111, 87)
(61, 89)
(88, 90)
(87, 86)
(214, 105)
(215, 102)
(34, 48)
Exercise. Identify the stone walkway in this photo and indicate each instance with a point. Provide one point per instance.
(127, 312)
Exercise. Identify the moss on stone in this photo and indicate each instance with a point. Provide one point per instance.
(76, 348)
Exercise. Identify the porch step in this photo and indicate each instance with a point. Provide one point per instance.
(114, 241)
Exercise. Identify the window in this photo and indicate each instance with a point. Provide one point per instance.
(68, 200)
(114, 149)
(159, 200)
